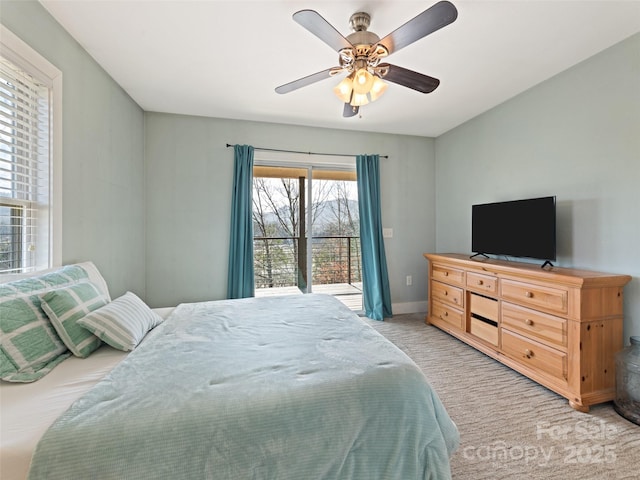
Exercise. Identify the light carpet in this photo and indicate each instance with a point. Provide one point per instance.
(511, 427)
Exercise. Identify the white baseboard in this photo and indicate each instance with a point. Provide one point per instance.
(409, 307)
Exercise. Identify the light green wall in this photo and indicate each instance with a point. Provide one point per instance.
(156, 222)
(103, 154)
(189, 177)
(576, 136)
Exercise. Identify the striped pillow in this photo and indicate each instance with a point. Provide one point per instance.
(122, 323)
(65, 307)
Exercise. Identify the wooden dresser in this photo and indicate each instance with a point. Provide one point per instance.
(561, 327)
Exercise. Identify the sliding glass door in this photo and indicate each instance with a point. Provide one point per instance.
(280, 229)
(335, 243)
(306, 232)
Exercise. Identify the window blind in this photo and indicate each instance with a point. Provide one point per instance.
(25, 163)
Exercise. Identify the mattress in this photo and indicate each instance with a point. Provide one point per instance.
(28, 409)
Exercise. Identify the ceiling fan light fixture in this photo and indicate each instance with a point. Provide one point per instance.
(377, 89)
(362, 82)
(344, 88)
(359, 99)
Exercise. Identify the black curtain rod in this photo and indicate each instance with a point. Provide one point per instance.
(306, 153)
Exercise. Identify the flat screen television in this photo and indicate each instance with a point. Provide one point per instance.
(519, 228)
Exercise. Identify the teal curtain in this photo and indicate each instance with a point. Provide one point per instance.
(240, 277)
(375, 278)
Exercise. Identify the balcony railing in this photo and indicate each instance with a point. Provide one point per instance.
(281, 261)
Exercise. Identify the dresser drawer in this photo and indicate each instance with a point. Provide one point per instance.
(483, 283)
(483, 330)
(554, 299)
(536, 325)
(446, 274)
(534, 354)
(447, 314)
(446, 293)
(483, 306)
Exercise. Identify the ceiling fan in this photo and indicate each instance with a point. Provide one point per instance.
(361, 53)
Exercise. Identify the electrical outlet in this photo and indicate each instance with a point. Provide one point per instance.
(409, 280)
(387, 233)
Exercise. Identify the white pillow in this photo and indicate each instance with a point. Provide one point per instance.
(123, 323)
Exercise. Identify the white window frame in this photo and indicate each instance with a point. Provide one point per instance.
(21, 54)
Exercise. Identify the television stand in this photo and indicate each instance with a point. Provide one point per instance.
(560, 327)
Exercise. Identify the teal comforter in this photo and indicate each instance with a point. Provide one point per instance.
(274, 388)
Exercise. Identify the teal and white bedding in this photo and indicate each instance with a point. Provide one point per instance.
(272, 388)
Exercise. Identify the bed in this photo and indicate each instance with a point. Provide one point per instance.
(271, 388)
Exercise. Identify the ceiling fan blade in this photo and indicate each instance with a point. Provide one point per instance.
(316, 24)
(433, 18)
(304, 81)
(409, 78)
(349, 111)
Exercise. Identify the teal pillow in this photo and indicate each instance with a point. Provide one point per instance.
(29, 346)
(123, 323)
(29, 343)
(65, 306)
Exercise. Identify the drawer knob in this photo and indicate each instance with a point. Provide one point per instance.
(446, 293)
(480, 282)
(528, 353)
(528, 321)
(446, 274)
(446, 314)
(528, 294)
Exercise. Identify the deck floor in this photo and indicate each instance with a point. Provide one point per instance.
(349, 294)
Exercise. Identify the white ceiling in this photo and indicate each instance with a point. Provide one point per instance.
(224, 58)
